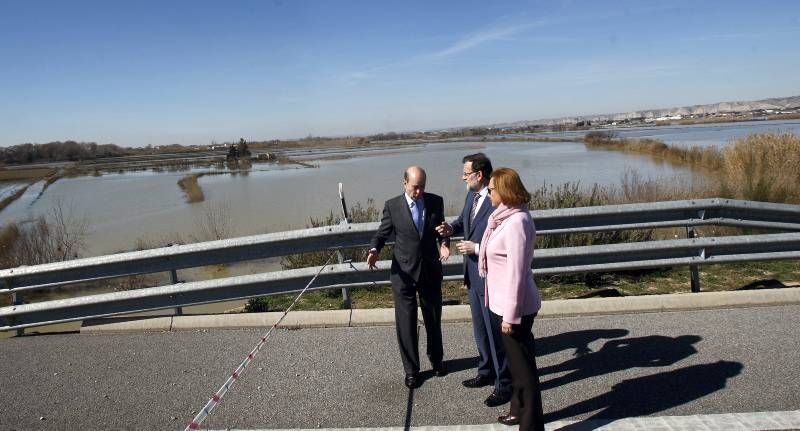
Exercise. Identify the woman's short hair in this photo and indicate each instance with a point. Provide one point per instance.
(509, 187)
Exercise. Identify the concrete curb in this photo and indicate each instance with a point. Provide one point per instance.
(450, 314)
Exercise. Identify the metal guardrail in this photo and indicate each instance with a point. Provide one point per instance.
(691, 252)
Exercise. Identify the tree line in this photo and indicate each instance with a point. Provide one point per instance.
(59, 151)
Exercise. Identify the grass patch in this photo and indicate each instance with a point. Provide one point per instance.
(713, 278)
(190, 186)
(453, 293)
(25, 174)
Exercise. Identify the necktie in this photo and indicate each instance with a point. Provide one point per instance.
(416, 214)
(474, 207)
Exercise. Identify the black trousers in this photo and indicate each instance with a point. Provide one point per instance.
(405, 293)
(526, 401)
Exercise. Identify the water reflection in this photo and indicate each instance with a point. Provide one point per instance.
(124, 207)
(719, 134)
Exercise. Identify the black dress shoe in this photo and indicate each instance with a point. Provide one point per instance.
(440, 370)
(412, 381)
(508, 420)
(495, 399)
(478, 381)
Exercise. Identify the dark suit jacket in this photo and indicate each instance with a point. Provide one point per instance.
(413, 255)
(473, 232)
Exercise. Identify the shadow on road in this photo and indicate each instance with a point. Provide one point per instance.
(578, 340)
(409, 410)
(622, 354)
(765, 284)
(647, 395)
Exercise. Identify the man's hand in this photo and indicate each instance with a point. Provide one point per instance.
(466, 247)
(444, 252)
(444, 229)
(372, 258)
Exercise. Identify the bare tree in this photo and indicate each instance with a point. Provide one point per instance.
(56, 236)
(214, 222)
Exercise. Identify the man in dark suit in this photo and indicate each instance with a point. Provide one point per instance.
(492, 365)
(411, 219)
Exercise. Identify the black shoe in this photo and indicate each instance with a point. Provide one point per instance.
(439, 370)
(478, 381)
(412, 381)
(508, 420)
(495, 399)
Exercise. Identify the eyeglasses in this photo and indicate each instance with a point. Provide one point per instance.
(489, 189)
(467, 174)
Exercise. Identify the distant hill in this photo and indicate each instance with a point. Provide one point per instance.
(777, 103)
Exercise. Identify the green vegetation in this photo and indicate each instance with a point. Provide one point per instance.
(713, 278)
(35, 174)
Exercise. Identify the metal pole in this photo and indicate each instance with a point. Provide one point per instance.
(345, 290)
(16, 299)
(693, 269)
(173, 273)
(346, 220)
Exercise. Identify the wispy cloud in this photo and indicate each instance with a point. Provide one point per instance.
(477, 39)
(465, 43)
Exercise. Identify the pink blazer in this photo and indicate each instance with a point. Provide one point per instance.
(510, 289)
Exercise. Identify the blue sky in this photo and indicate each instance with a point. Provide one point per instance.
(189, 72)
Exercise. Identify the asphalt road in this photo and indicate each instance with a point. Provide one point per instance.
(675, 363)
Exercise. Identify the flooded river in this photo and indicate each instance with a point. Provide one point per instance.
(122, 208)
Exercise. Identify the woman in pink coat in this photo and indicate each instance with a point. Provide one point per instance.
(512, 297)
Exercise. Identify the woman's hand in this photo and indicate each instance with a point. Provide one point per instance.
(505, 328)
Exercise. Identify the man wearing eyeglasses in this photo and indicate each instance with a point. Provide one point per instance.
(492, 366)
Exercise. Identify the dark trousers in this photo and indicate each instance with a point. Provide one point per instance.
(492, 355)
(526, 402)
(405, 293)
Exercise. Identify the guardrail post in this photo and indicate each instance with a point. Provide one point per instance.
(345, 220)
(693, 269)
(174, 277)
(345, 290)
(16, 299)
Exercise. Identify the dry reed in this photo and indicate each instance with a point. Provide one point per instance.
(759, 167)
(192, 189)
(702, 158)
(763, 167)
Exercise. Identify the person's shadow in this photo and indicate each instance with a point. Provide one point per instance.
(578, 340)
(617, 355)
(644, 396)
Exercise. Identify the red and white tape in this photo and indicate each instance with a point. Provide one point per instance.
(215, 399)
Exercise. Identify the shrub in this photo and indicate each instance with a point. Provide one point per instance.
(192, 189)
(763, 167)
